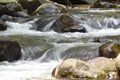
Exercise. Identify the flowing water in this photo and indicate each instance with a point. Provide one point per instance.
(42, 51)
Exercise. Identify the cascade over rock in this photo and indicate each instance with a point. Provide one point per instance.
(62, 23)
(67, 23)
(10, 51)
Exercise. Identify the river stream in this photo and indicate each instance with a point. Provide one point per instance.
(42, 51)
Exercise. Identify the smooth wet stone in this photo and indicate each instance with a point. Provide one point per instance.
(15, 19)
(10, 51)
(10, 8)
(50, 9)
(109, 50)
(67, 23)
(21, 14)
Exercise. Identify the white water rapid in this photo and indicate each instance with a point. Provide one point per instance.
(42, 51)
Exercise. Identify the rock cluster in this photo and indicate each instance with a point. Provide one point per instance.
(105, 66)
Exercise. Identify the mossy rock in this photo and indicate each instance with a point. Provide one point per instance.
(109, 50)
(7, 1)
(50, 9)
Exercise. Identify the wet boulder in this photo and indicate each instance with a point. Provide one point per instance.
(3, 26)
(22, 14)
(20, 19)
(72, 68)
(10, 8)
(109, 50)
(67, 23)
(105, 64)
(60, 24)
(97, 68)
(42, 23)
(117, 63)
(7, 18)
(49, 9)
(2, 9)
(29, 5)
(10, 51)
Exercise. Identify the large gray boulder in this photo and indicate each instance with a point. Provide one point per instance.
(50, 8)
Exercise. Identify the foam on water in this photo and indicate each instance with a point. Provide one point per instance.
(24, 29)
(102, 11)
(25, 70)
(35, 70)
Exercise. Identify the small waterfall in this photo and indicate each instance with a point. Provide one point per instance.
(42, 51)
(95, 24)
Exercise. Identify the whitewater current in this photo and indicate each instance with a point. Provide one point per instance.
(42, 51)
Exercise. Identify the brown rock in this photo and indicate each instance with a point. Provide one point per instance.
(109, 50)
(10, 51)
(66, 23)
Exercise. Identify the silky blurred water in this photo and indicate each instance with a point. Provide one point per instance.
(42, 51)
